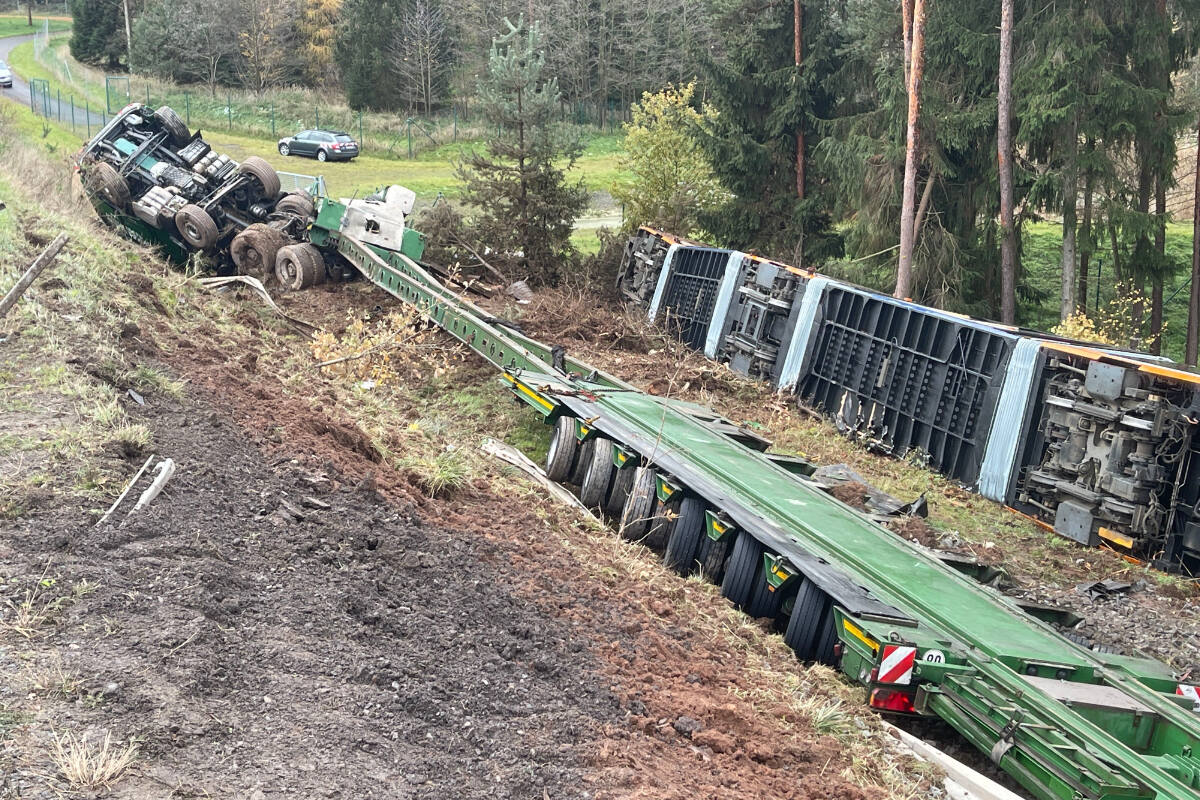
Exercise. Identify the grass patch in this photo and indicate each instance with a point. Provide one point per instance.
(92, 766)
(18, 25)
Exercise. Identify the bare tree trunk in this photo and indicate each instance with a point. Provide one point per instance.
(1160, 247)
(1193, 323)
(1085, 252)
(1066, 306)
(798, 38)
(1004, 147)
(906, 8)
(922, 209)
(128, 36)
(904, 280)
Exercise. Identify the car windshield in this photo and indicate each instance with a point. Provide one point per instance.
(342, 137)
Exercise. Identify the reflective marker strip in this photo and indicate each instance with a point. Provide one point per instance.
(1190, 692)
(803, 333)
(663, 277)
(897, 664)
(716, 325)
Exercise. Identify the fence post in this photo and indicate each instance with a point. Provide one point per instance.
(229, 110)
(72, 113)
(273, 134)
(60, 119)
(87, 114)
(31, 105)
(454, 112)
(360, 132)
(147, 94)
(187, 107)
(410, 153)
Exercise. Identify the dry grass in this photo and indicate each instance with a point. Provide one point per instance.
(29, 616)
(53, 679)
(88, 766)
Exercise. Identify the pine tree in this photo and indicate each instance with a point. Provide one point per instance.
(363, 37)
(525, 208)
(762, 99)
(98, 32)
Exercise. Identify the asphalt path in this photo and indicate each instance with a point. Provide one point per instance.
(19, 93)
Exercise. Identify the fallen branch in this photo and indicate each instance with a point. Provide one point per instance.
(36, 268)
(368, 351)
(482, 261)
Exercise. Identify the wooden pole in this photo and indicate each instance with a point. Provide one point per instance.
(1193, 324)
(798, 45)
(39, 264)
(1004, 155)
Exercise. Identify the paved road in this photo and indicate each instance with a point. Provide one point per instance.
(19, 93)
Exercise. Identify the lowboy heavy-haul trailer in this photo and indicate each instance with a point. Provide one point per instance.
(1097, 444)
(1065, 721)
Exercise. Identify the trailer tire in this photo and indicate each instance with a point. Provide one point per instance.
(298, 203)
(712, 557)
(564, 447)
(599, 474)
(177, 131)
(104, 180)
(763, 602)
(196, 227)
(638, 511)
(264, 173)
(744, 567)
(661, 524)
(254, 250)
(684, 544)
(618, 492)
(299, 266)
(809, 626)
(581, 462)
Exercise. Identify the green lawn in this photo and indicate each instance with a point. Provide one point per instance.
(14, 25)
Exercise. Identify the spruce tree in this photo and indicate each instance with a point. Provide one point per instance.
(524, 206)
(360, 49)
(762, 99)
(98, 32)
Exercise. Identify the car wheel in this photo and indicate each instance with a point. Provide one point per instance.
(322, 156)
(284, 150)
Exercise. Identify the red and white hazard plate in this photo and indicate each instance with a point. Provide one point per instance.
(897, 664)
(1190, 692)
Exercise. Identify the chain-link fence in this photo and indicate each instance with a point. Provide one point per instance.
(84, 99)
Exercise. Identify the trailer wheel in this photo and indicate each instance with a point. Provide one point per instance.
(618, 492)
(254, 250)
(744, 568)
(264, 173)
(298, 203)
(763, 602)
(638, 511)
(196, 227)
(712, 558)
(299, 266)
(810, 625)
(599, 474)
(684, 544)
(661, 524)
(564, 447)
(104, 180)
(581, 462)
(177, 131)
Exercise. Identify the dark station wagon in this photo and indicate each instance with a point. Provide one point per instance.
(321, 145)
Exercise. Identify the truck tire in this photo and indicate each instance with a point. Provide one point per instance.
(662, 522)
(743, 569)
(254, 250)
(618, 492)
(581, 462)
(264, 173)
(104, 181)
(684, 544)
(763, 602)
(298, 203)
(638, 511)
(299, 266)
(805, 632)
(196, 227)
(712, 557)
(564, 447)
(599, 474)
(177, 132)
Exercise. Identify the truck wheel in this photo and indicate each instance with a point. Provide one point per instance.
(806, 630)
(254, 250)
(618, 492)
(599, 475)
(298, 203)
(299, 266)
(196, 227)
(745, 566)
(661, 524)
(264, 173)
(564, 447)
(581, 462)
(763, 602)
(177, 131)
(104, 180)
(684, 544)
(712, 557)
(638, 511)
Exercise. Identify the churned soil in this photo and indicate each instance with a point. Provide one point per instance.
(294, 617)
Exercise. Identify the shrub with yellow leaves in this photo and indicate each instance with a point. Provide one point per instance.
(1117, 324)
(382, 349)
